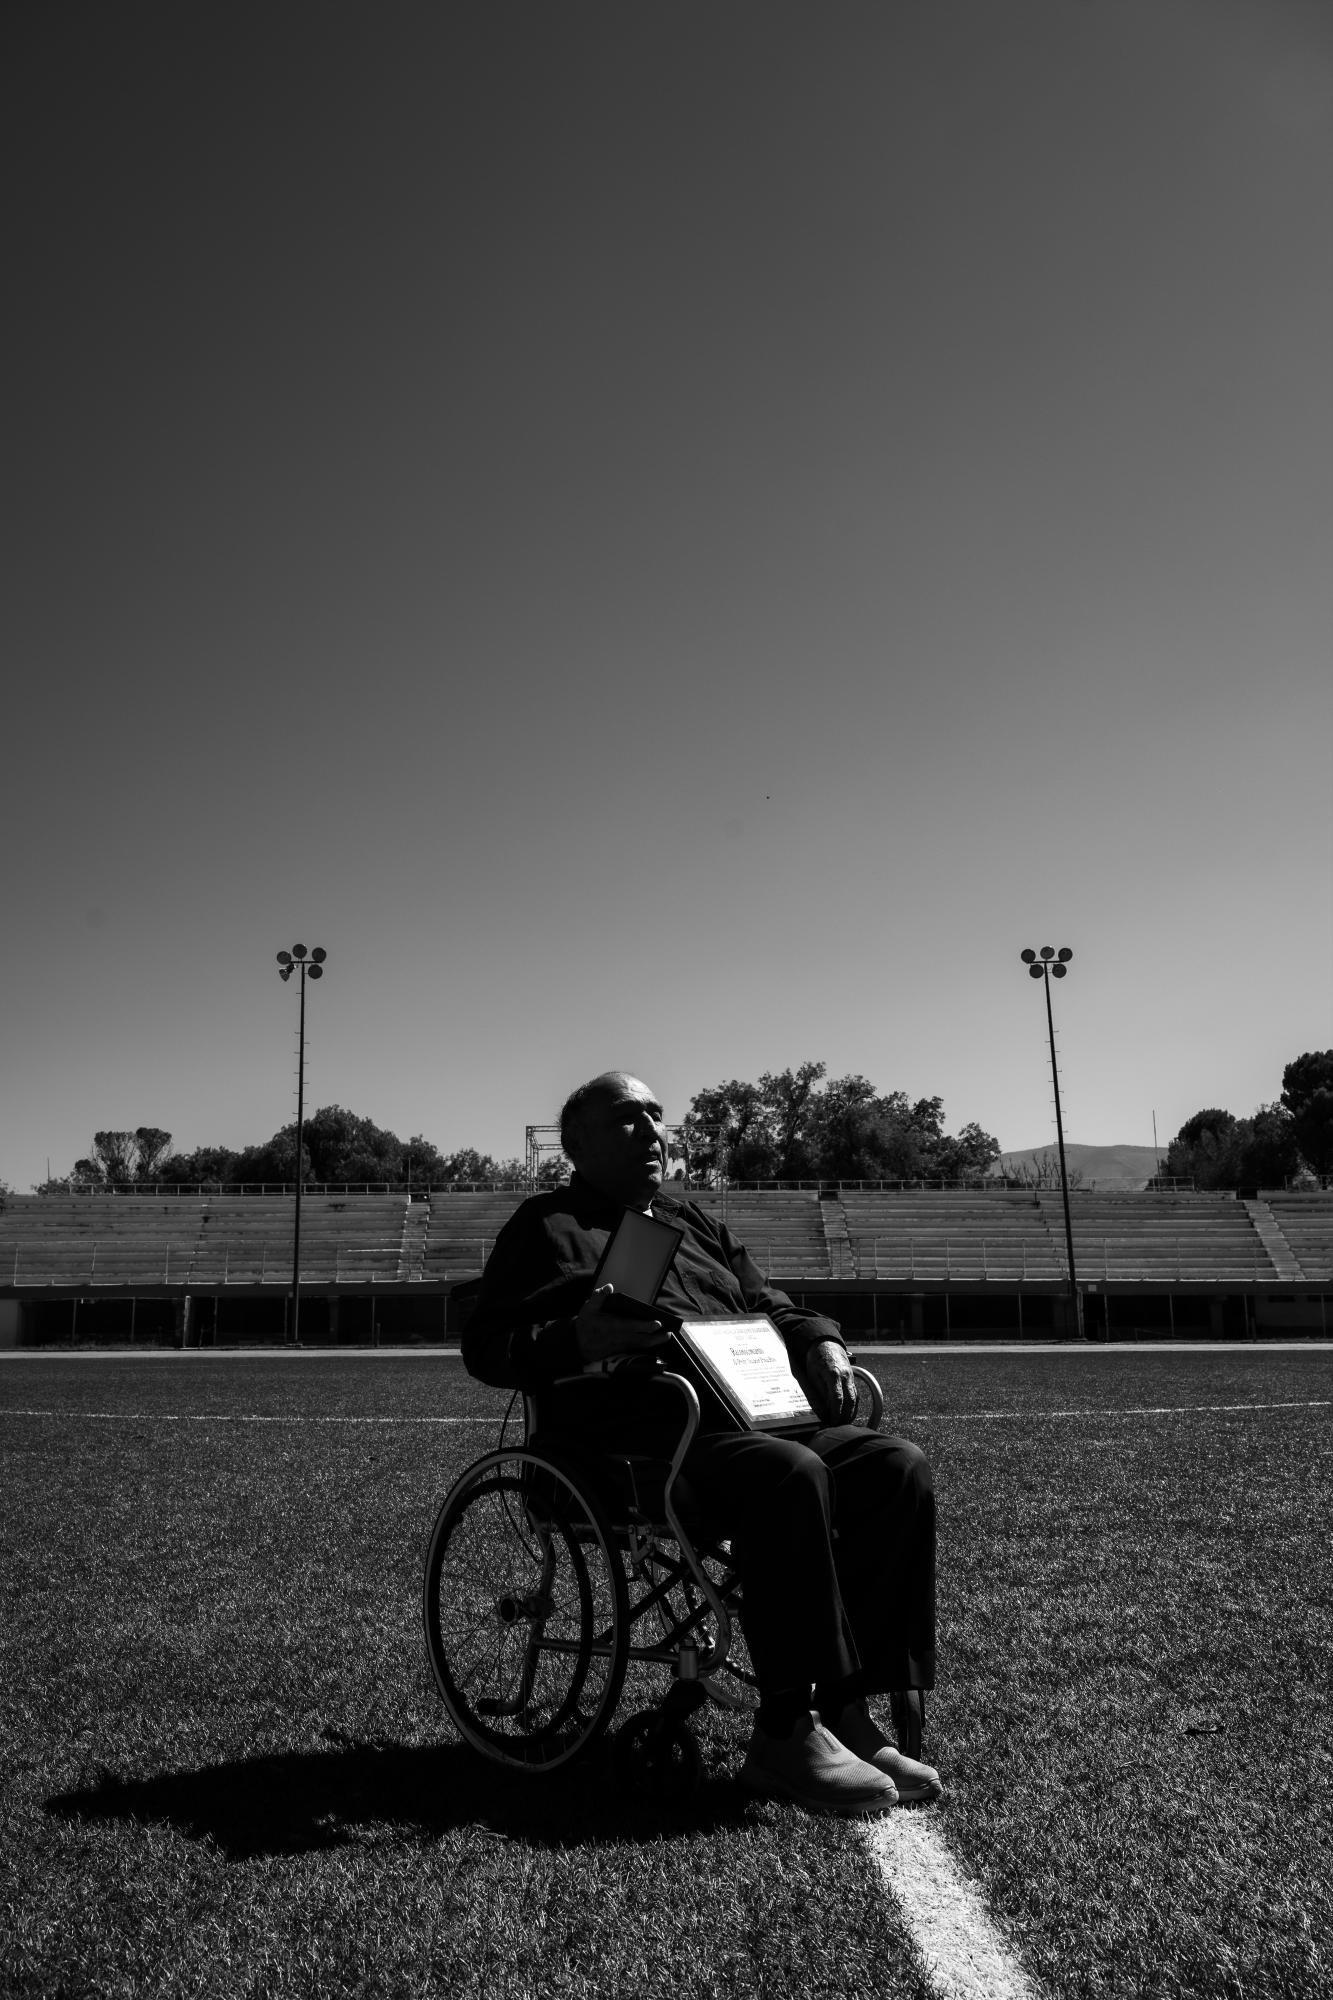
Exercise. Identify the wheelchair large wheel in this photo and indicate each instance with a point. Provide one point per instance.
(527, 1618)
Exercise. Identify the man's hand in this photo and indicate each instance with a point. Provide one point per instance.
(830, 1383)
(601, 1331)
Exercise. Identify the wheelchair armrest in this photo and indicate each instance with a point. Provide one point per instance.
(870, 1383)
(689, 1400)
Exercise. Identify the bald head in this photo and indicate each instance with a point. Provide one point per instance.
(612, 1129)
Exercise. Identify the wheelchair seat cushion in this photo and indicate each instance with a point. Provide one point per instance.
(600, 1414)
(629, 1484)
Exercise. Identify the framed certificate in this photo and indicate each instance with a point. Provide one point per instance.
(746, 1365)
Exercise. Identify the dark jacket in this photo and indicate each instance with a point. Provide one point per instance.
(540, 1272)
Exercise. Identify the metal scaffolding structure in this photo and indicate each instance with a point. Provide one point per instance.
(542, 1143)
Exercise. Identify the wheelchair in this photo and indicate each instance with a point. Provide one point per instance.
(548, 1574)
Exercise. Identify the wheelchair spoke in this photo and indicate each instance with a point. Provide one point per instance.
(525, 1611)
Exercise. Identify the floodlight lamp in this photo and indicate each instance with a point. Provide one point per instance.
(317, 971)
(319, 954)
(1058, 971)
(298, 951)
(1026, 956)
(1064, 954)
(1047, 951)
(284, 958)
(286, 972)
(1034, 971)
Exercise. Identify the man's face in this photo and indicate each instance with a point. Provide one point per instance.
(621, 1145)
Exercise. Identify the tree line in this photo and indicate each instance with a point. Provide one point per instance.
(337, 1146)
(790, 1125)
(1284, 1141)
(800, 1124)
(793, 1124)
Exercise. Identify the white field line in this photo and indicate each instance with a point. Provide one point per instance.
(1032, 1350)
(1111, 1410)
(967, 1349)
(966, 1958)
(919, 1416)
(212, 1417)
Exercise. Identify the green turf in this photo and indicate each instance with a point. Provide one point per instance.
(1136, 1627)
(228, 1771)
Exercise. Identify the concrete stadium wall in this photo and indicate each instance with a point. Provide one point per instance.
(431, 1316)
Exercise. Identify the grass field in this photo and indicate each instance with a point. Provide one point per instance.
(227, 1771)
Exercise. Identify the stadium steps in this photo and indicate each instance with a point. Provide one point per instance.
(1306, 1222)
(838, 1242)
(1269, 1232)
(412, 1248)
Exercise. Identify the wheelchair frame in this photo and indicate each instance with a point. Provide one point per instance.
(540, 1574)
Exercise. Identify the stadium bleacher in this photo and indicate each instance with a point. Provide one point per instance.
(199, 1241)
(782, 1228)
(345, 1239)
(997, 1243)
(1172, 1237)
(97, 1240)
(461, 1229)
(939, 1233)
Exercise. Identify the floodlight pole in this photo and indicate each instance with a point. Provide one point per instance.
(292, 961)
(1044, 967)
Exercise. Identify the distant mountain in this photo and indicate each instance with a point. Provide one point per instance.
(1099, 1166)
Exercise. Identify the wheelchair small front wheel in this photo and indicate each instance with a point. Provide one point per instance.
(526, 1611)
(658, 1755)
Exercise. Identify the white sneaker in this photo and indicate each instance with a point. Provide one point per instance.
(857, 1730)
(813, 1768)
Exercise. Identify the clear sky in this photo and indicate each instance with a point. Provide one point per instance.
(671, 535)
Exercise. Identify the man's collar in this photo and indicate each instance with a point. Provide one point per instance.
(589, 1196)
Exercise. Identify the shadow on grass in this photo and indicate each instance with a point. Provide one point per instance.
(299, 1801)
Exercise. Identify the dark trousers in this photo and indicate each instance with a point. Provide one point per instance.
(834, 1542)
(833, 1538)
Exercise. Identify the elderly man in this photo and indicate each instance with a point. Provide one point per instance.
(832, 1534)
